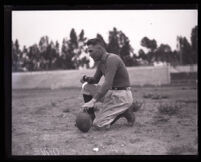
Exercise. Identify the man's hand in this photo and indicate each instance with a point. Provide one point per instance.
(89, 104)
(83, 79)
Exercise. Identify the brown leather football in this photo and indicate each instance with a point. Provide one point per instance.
(83, 121)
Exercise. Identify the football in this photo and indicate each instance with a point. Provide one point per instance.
(83, 121)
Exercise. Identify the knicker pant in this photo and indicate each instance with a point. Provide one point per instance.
(114, 103)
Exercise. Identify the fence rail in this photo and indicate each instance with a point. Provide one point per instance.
(186, 68)
(71, 78)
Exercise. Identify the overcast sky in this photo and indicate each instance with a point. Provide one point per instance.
(162, 25)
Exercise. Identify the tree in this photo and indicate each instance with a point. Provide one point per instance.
(69, 50)
(151, 45)
(184, 50)
(43, 57)
(175, 58)
(99, 36)
(82, 59)
(52, 56)
(113, 45)
(33, 62)
(148, 43)
(194, 44)
(58, 60)
(142, 57)
(73, 50)
(163, 53)
(125, 54)
(73, 39)
(49, 53)
(16, 56)
(194, 37)
(84, 62)
(64, 60)
(24, 58)
(142, 54)
(43, 43)
(120, 45)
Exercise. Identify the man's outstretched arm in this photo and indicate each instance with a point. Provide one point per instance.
(95, 79)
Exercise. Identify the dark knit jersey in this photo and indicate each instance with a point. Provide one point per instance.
(114, 71)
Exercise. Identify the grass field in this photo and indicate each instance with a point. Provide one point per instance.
(43, 124)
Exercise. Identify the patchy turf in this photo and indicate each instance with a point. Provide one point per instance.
(43, 124)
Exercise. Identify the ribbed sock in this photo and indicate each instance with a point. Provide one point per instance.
(90, 111)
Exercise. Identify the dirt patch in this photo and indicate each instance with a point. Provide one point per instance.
(43, 124)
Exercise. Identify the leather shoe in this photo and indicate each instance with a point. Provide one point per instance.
(130, 116)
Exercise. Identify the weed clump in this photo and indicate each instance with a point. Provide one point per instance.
(168, 108)
(155, 96)
(137, 105)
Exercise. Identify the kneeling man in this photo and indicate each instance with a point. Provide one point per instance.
(115, 93)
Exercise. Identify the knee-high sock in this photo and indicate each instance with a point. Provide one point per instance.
(90, 111)
(87, 98)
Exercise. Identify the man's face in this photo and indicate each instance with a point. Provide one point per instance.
(95, 52)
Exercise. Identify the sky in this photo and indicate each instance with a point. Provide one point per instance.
(162, 25)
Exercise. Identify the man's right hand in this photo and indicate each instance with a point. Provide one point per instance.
(89, 104)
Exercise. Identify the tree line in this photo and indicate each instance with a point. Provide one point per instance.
(47, 55)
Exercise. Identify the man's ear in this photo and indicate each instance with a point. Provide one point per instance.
(99, 47)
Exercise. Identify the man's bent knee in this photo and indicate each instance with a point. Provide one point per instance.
(100, 123)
